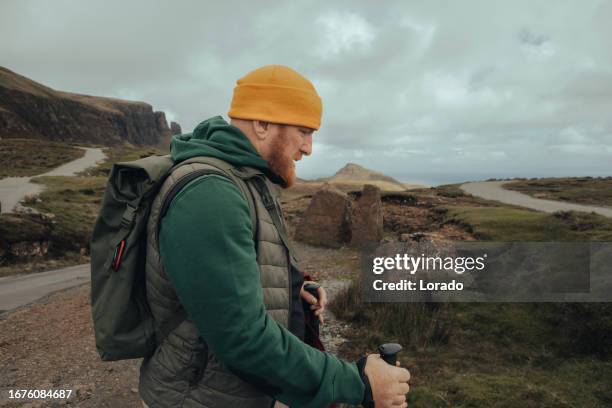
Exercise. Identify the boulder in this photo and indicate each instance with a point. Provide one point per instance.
(28, 248)
(325, 222)
(24, 235)
(366, 217)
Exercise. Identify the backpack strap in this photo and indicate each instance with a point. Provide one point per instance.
(220, 168)
(275, 213)
(236, 174)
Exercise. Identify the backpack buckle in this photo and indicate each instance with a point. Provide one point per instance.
(268, 202)
(128, 215)
(266, 197)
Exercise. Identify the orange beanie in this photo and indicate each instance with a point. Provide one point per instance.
(276, 94)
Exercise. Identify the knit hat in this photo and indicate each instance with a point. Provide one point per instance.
(276, 94)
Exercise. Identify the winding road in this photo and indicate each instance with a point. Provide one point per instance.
(16, 291)
(20, 290)
(14, 189)
(494, 190)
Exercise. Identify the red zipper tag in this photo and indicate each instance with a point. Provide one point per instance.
(118, 254)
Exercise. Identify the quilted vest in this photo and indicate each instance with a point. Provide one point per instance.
(182, 372)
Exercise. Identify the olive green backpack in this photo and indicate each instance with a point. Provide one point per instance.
(123, 325)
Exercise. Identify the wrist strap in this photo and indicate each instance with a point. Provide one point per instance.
(368, 400)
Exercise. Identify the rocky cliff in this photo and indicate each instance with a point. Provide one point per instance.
(175, 128)
(31, 110)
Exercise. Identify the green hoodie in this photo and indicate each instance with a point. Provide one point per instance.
(216, 277)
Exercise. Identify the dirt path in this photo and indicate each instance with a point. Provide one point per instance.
(14, 189)
(493, 190)
(331, 331)
(50, 345)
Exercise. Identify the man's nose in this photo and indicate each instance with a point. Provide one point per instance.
(306, 147)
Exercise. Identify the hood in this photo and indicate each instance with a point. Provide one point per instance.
(215, 137)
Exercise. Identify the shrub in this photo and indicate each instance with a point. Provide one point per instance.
(416, 324)
(450, 191)
(580, 328)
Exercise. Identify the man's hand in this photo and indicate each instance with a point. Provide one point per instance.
(316, 305)
(389, 384)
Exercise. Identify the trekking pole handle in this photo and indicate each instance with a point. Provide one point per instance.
(388, 352)
(312, 288)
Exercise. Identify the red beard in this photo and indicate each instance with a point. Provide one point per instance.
(280, 162)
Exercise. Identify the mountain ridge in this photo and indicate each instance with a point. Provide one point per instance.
(353, 176)
(355, 171)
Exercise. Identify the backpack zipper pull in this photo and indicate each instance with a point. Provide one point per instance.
(118, 255)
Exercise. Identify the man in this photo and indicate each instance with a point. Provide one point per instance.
(241, 344)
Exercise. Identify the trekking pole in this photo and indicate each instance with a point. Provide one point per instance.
(388, 352)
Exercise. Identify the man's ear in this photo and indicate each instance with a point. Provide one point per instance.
(261, 129)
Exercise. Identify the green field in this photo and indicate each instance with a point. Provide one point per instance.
(583, 190)
(496, 354)
(514, 224)
(29, 157)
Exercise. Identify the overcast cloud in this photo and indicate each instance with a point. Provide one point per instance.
(425, 91)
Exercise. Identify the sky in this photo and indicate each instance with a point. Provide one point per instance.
(428, 92)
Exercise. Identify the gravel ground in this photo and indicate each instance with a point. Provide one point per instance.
(331, 332)
(50, 345)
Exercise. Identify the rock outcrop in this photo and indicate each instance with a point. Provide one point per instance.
(175, 128)
(28, 235)
(326, 220)
(366, 221)
(332, 219)
(31, 110)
